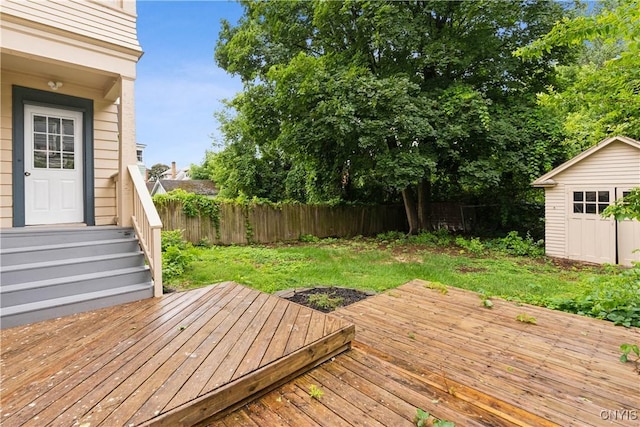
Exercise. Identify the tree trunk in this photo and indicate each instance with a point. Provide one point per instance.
(411, 209)
(424, 198)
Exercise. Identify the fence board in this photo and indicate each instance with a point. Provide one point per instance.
(288, 222)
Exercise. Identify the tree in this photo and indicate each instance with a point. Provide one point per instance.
(156, 171)
(422, 99)
(599, 96)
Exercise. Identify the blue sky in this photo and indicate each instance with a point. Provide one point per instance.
(179, 86)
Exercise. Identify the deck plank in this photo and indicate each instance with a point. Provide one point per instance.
(416, 347)
(164, 361)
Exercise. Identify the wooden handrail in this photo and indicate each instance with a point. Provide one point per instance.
(147, 225)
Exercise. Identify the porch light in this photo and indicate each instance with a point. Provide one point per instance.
(54, 85)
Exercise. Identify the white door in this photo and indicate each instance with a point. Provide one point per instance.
(628, 235)
(53, 166)
(590, 237)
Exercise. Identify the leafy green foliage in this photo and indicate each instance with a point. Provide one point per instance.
(315, 392)
(629, 349)
(193, 204)
(612, 297)
(325, 301)
(514, 244)
(598, 97)
(473, 246)
(525, 318)
(177, 255)
(625, 208)
(425, 419)
(366, 101)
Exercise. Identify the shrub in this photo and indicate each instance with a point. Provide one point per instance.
(177, 254)
(473, 246)
(514, 244)
(615, 298)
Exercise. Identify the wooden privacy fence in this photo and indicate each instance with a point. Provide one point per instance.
(264, 224)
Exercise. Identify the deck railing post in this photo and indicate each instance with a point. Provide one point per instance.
(147, 225)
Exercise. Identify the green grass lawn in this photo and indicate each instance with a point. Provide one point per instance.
(377, 265)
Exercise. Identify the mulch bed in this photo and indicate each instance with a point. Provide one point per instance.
(345, 296)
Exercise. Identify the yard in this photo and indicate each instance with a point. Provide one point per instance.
(489, 268)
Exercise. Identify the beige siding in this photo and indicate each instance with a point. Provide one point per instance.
(616, 164)
(105, 146)
(103, 21)
(555, 221)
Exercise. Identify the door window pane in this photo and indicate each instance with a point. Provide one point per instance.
(590, 196)
(40, 159)
(578, 208)
(54, 143)
(590, 208)
(68, 161)
(603, 196)
(54, 125)
(578, 196)
(39, 124)
(54, 160)
(67, 127)
(67, 143)
(40, 141)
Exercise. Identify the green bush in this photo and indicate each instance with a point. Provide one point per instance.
(514, 244)
(177, 254)
(473, 246)
(615, 298)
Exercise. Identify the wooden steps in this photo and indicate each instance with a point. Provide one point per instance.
(172, 361)
(52, 272)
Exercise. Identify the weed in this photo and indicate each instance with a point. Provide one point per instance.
(438, 287)
(525, 318)
(486, 302)
(315, 392)
(325, 301)
(411, 335)
(308, 238)
(424, 419)
(633, 349)
(513, 244)
(474, 246)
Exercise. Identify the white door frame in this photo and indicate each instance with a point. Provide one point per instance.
(53, 167)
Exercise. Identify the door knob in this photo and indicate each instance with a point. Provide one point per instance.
(27, 174)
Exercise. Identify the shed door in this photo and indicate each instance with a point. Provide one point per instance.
(53, 166)
(590, 237)
(628, 236)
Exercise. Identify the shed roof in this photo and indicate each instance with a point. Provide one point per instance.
(203, 187)
(546, 180)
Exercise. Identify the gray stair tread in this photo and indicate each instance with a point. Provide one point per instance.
(57, 302)
(34, 265)
(70, 279)
(66, 245)
(63, 230)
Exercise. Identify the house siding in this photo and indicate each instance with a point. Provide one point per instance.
(615, 165)
(105, 146)
(109, 22)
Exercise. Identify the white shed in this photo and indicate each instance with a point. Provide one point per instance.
(577, 191)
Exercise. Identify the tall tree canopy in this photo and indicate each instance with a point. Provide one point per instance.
(600, 95)
(358, 100)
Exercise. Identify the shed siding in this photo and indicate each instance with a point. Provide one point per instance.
(555, 221)
(618, 163)
(98, 21)
(105, 146)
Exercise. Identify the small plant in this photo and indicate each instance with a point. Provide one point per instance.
(474, 246)
(325, 301)
(315, 392)
(177, 254)
(486, 301)
(525, 318)
(442, 288)
(411, 335)
(309, 238)
(631, 349)
(424, 419)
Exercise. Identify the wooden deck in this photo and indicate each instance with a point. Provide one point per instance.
(416, 347)
(168, 361)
